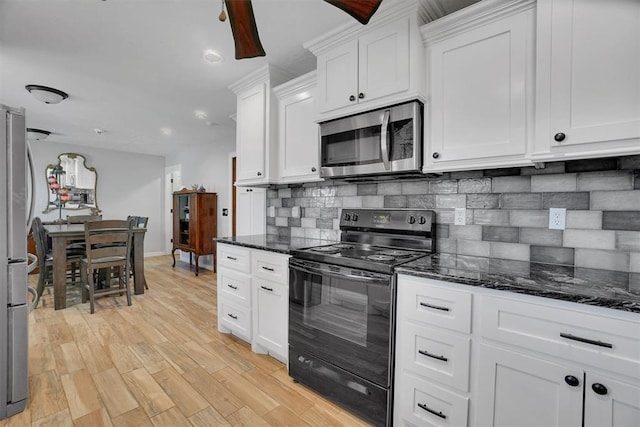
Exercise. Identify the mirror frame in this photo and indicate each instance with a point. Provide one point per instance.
(95, 210)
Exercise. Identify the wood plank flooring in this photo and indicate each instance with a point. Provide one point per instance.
(160, 362)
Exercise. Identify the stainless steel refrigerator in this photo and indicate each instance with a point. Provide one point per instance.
(13, 262)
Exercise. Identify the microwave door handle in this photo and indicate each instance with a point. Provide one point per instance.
(384, 139)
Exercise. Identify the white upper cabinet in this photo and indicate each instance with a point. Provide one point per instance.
(365, 67)
(256, 126)
(297, 131)
(251, 215)
(374, 66)
(480, 80)
(588, 78)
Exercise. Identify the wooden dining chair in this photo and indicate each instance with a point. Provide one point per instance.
(45, 258)
(139, 222)
(108, 244)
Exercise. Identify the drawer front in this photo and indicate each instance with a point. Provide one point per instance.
(420, 403)
(566, 331)
(432, 302)
(434, 353)
(237, 319)
(270, 266)
(234, 286)
(234, 257)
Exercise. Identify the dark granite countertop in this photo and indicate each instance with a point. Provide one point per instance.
(272, 243)
(603, 288)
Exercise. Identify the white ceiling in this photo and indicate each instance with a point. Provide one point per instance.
(132, 67)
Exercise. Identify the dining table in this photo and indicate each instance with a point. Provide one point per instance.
(62, 234)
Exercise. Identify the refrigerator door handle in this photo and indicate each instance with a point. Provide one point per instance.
(31, 188)
(17, 289)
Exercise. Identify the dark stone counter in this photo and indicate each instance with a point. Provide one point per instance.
(272, 243)
(612, 289)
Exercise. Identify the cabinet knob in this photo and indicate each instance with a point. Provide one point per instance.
(559, 137)
(599, 389)
(259, 173)
(313, 169)
(435, 155)
(352, 98)
(361, 95)
(571, 380)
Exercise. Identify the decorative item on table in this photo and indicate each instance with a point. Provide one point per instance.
(62, 194)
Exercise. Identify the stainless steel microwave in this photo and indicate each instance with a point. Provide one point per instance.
(378, 142)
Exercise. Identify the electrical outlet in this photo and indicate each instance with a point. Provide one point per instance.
(557, 218)
(460, 216)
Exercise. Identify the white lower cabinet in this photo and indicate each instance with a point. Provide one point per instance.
(271, 318)
(270, 292)
(253, 298)
(522, 390)
(472, 356)
(432, 353)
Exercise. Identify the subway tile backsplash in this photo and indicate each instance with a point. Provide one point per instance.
(507, 211)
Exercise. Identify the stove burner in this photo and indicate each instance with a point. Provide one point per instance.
(332, 249)
(380, 257)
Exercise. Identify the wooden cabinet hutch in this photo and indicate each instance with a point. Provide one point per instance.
(194, 224)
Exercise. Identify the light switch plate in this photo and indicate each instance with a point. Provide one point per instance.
(557, 218)
(272, 211)
(460, 216)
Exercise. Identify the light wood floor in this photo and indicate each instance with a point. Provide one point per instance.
(159, 362)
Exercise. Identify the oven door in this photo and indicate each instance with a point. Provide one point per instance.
(342, 316)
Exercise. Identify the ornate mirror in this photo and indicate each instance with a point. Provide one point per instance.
(72, 184)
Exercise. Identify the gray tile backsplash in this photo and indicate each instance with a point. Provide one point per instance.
(507, 211)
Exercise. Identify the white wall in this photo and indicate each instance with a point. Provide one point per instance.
(128, 184)
(209, 167)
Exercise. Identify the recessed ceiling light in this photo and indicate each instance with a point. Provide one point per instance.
(166, 131)
(98, 131)
(211, 56)
(200, 114)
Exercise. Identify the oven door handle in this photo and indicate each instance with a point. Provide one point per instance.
(374, 278)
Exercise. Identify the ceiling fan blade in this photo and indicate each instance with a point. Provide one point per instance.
(244, 29)
(362, 10)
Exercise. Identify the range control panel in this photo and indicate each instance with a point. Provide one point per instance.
(388, 219)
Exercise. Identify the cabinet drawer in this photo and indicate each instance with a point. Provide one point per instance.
(435, 354)
(432, 302)
(235, 318)
(565, 330)
(234, 286)
(270, 266)
(420, 403)
(234, 257)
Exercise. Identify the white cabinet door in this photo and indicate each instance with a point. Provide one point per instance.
(250, 134)
(481, 85)
(362, 70)
(251, 215)
(338, 77)
(298, 131)
(610, 403)
(588, 77)
(271, 317)
(383, 65)
(518, 390)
